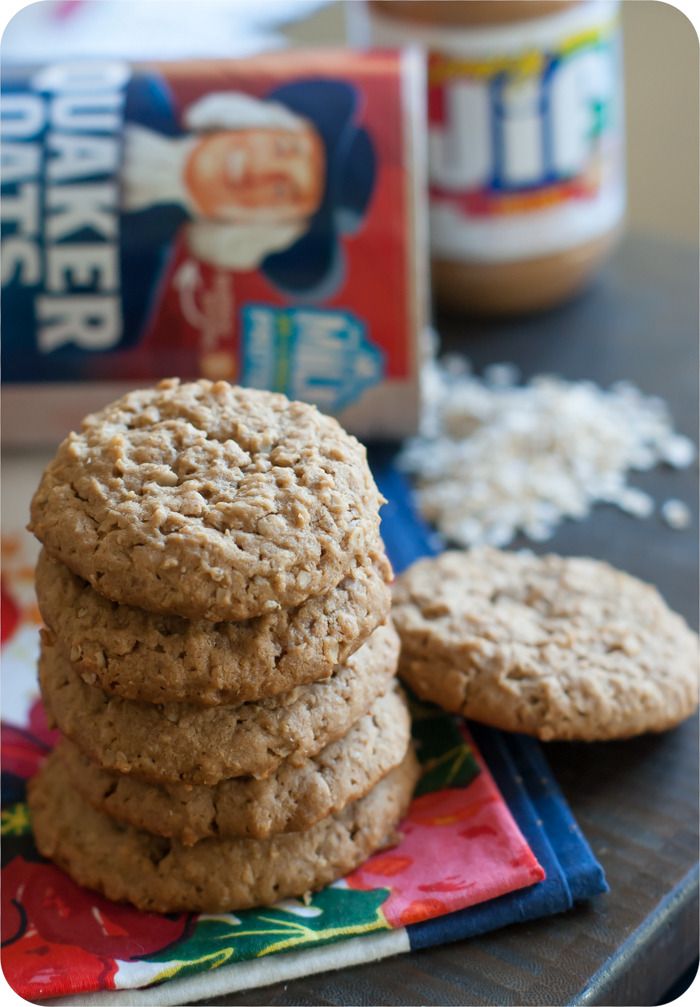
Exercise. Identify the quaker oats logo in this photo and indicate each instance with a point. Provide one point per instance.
(271, 184)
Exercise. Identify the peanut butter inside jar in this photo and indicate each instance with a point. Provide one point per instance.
(526, 146)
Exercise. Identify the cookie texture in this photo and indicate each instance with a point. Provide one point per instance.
(215, 875)
(184, 743)
(165, 658)
(207, 500)
(291, 799)
(562, 648)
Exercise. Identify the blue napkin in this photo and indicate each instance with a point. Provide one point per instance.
(516, 762)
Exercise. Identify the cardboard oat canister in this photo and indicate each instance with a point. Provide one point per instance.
(256, 220)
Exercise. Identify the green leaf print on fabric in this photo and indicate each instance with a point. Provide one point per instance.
(15, 820)
(333, 914)
(442, 748)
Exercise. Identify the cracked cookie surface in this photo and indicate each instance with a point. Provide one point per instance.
(215, 875)
(291, 799)
(164, 658)
(562, 648)
(207, 500)
(179, 742)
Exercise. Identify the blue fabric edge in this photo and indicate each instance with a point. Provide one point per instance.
(585, 875)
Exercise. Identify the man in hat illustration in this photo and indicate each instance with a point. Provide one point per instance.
(270, 184)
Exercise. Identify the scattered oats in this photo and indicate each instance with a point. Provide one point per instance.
(676, 514)
(635, 502)
(497, 535)
(454, 365)
(495, 458)
(501, 375)
(679, 451)
(538, 532)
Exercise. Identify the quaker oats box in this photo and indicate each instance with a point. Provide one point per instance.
(257, 220)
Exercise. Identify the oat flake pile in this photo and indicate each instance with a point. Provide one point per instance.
(495, 458)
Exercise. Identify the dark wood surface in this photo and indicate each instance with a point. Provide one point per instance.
(636, 801)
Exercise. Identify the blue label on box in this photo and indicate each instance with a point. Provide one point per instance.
(307, 353)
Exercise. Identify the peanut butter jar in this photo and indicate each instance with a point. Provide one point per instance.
(526, 144)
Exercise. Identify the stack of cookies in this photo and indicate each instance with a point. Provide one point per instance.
(218, 652)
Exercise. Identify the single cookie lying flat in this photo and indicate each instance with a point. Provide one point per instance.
(193, 744)
(291, 799)
(164, 658)
(556, 647)
(215, 875)
(206, 500)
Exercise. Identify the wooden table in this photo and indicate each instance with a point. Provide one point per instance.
(636, 801)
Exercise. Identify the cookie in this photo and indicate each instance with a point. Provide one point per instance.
(208, 501)
(164, 658)
(215, 875)
(291, 799)
(562, 648)
(192, 744)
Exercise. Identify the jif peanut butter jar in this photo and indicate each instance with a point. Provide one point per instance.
(526, 144)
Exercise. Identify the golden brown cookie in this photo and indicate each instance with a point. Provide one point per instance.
(208, 501)
(165, 658)
(175, 742)
(291, 799)
(215, 875)
(563, 648)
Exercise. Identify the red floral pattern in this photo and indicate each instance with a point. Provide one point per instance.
(438, 856)
(64, 913)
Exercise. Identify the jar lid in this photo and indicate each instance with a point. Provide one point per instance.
(468, 12)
